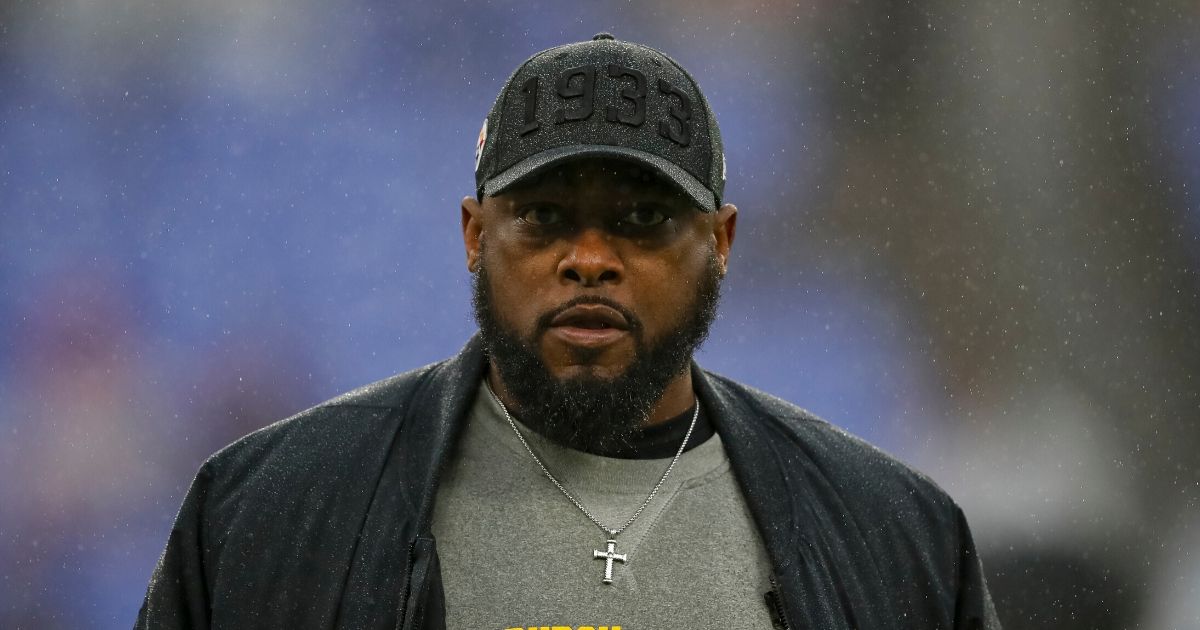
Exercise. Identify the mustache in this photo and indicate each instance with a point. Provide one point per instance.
(545, 319)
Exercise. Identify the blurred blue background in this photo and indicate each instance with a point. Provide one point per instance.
(969, 234)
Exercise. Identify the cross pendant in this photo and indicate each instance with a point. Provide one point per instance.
(608, 556)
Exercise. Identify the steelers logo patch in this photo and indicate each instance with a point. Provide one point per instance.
(479, 144)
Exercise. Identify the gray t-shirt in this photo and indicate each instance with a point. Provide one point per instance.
(516, 553)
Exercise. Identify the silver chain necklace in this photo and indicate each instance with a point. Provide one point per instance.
(610, 553)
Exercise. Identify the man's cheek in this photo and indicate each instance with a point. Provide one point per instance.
(516, 312)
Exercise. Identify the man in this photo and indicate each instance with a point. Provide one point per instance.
(571, 467)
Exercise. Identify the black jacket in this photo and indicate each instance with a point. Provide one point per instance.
(323, 520)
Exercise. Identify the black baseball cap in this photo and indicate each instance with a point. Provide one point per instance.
(602, 98)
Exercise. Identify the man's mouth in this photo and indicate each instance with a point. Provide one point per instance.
(589, 325)
(590, 317)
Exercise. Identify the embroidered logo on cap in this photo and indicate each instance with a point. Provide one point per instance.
(479, 143)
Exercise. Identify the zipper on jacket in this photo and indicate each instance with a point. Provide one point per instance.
(775, 606)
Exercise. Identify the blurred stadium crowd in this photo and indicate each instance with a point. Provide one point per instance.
(970, 233)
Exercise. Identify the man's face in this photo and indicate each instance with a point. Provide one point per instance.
(597, 271)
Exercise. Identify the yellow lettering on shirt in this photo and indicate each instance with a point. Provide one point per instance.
(565, 628)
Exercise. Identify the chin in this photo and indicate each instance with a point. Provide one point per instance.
(567, 361)
(588, 372)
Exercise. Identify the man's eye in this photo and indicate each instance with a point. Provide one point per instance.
(644, 217)
(541, 215)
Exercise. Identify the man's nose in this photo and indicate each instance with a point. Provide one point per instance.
(591, 260)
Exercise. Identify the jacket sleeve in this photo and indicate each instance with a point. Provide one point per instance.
(177, 597)
(974, 609)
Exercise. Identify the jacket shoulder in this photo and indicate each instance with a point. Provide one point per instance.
(324, 429)
(837, 510)
(865, 472)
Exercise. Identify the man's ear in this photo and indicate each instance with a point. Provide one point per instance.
(472, 226)
(724, 231)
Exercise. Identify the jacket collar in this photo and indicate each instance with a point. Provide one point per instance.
(769, 457)
(445, 398)
(746, 435)
(429, 408)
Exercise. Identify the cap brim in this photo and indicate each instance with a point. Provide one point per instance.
(534, 164)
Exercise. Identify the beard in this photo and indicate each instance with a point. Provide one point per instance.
(590, 413)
